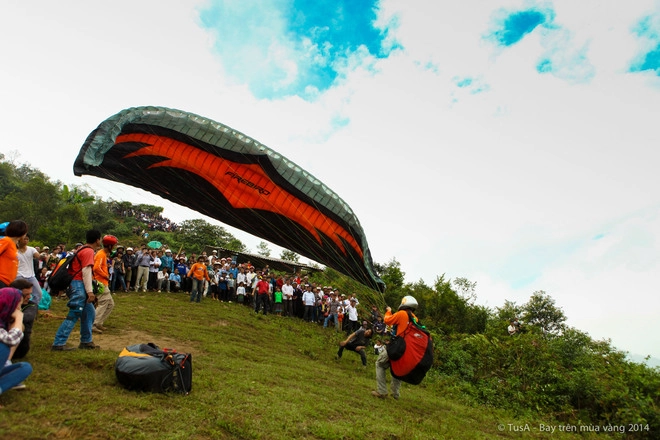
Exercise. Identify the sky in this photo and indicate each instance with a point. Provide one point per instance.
(513, 143)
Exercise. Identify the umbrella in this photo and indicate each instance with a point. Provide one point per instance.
(155, 244)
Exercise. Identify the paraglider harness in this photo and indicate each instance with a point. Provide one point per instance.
(411, 353)
(62, 275)
(145, 367)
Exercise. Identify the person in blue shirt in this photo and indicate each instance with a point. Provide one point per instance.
(175, 280)
(182, 269)
(166, 261)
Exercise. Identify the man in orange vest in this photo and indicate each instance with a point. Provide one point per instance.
(400, 321)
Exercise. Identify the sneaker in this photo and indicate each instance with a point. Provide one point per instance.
(88, 346)
(20, 386)
(377, 394)
(395, 397)
(95, 329)
(61, 348)
(100, 327)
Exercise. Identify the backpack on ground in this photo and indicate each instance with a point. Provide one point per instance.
(145, 367)
(417, 359)
(60, 278)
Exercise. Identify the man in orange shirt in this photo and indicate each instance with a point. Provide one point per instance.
(198, 273)
(9, 251)
(400, 321)
(102, 277)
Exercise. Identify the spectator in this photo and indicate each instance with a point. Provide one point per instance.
(352, 312)
(240, 293)
(166, 261)
(143, 262)
(332, 312)
(118, 272)
(182, 269)
(27, 255)
(14, 231)
(262, 289)
(11, 334)
(514, 327)
(231, 286)
(29, 309)
(105, 303)
(198, 273)
(287, 298)
(277, 300)
(175, 281)
(163, 280)
(154, 268)
(309, 301)
(130, 262)
(379, 326)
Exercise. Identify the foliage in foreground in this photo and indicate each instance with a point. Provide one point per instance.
(254, 377)
(546, 369)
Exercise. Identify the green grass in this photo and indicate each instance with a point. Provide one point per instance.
(254, 377)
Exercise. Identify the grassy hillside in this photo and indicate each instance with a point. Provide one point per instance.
(254, 377)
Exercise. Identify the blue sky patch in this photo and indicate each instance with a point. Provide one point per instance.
(511, 27)
(648, 31)
(293, 47)
(560, 58)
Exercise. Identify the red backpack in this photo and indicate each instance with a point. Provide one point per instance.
(417, 359)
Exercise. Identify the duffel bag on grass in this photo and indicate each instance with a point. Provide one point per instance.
(145, 367)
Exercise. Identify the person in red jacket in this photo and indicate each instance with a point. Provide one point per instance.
(262, 291)
(400, 322)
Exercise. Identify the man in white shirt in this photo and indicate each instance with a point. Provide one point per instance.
(309, 300)
(287, 298)
(26, 256)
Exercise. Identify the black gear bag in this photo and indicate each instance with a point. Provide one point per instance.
(145, 367)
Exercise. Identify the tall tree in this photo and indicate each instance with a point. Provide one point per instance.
(540, 311)
(263, 249)
(194, 235)
(289, 256)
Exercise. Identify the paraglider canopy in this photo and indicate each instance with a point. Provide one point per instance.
(225, 174)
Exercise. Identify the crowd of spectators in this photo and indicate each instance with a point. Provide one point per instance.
(224, 280)
(152, 221)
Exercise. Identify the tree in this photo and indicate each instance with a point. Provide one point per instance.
(541, 311)
(76, 195)
(393, 277)
(197, 234)
(263, 249)
(466, 289)
(289, 256)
